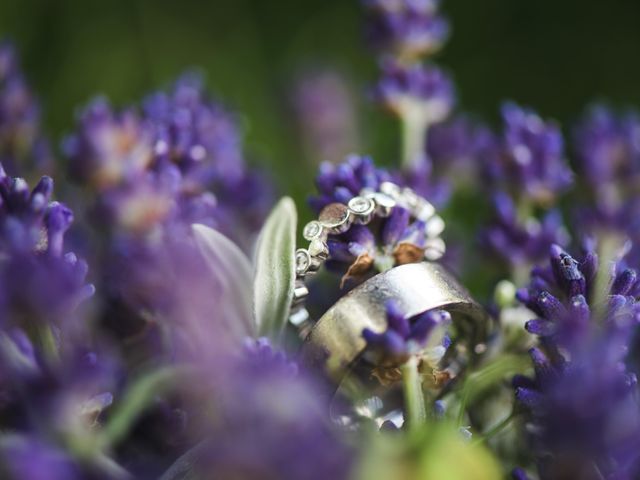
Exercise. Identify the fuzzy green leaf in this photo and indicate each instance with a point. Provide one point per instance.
(231, 271)
(275, 269)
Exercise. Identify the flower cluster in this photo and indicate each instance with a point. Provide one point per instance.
(23, 148)
(148, 174)
(582, 402)
(526, 170)
(422, 336)
(607, 156)
(278, 430)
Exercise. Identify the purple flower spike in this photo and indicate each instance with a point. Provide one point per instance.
(23, 148)
(529, 157)
(340, 183)
(406, 337)
(38, 278)
(416, 92)
(407, 29)
(580, 372)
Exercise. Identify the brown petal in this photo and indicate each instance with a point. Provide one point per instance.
(358, 269)
(408, 253)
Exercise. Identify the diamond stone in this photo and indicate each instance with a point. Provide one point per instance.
(424, 210)
(434, 226)
(312, 230)
(303, 261)
(335, 217)
(318, 248)
(390, 189)
(434, 249)
(361, 205)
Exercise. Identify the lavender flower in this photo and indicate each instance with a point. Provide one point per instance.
(396, 240)
(416, 93)
(181, 159)
(582, 402)
(607, 156)
(521, 241)
(404, 337)
(608, 151)
(406, 29)
(528, 159)
(324, 108)
(340, 183)
(525, 169)
(454, 147)
(279, 430)
(22, 145)
(39, 279)
(149, 175)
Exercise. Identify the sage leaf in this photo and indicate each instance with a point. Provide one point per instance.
(231, 271)
(275, 269)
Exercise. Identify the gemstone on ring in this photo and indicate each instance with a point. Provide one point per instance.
(303, 261)
(384, 204)
(312, 230)
(335, 217)
(363, 208)
(318, 249)
(434, 226)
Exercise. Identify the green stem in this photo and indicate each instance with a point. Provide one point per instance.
(414, 137)
(497, 428)
(415, 413)
(609, 248)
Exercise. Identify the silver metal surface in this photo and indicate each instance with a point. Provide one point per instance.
(335, 341)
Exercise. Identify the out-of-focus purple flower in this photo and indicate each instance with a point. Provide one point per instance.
(421, 94)
(340, 183)
(149, 174)
(607, 148)
(522, 241)
(454, 146)
(180, 159)
(528, 159)
(324, 108)
(28, 458)
(40, 281)
(280, 428)
(582, 403)
(396, 240)
(526, 171)
(420, 336)
(22, 145)
(407, 29)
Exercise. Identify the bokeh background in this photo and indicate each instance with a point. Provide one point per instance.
(556, 55)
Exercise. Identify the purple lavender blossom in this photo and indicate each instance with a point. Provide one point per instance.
(607, 155)
(150, 174)
(454, 146)
(528, 159)
(406, 29)
(179, 160)
(340, 183)
(39, 279)
(416, 93)
(526, 171)
(581, 403)
(22, 145)
(522, 241)
(396, 240)
(608, 151)
(407, 337)
(29, 458)
(324, 108)
(280, 428)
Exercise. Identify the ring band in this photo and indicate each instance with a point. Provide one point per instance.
(335, 341)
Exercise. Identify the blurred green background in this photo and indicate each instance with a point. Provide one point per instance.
(556, 55)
